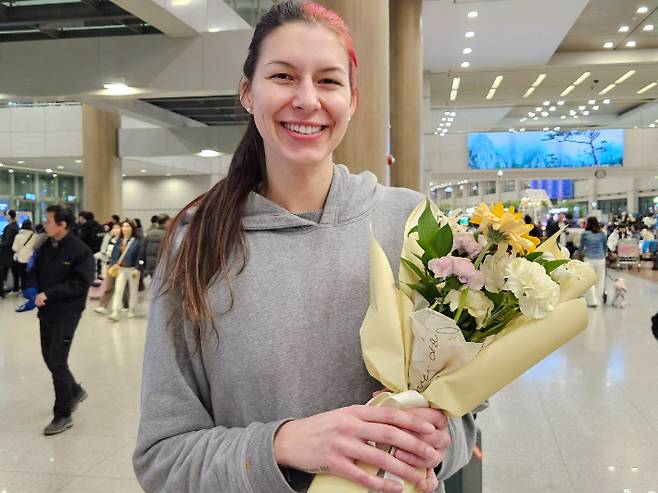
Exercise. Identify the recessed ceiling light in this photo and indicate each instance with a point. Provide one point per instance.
(55, 175)
(582, 108)
(213, 29)
(631, 44)
(467, 51)
(60, 167)
(451, 119)
(623, 29)
(522, 129)
(441, 124)
(472, 14)
(48, 170)
(491, 93)
(531, 114)
(607, 89)
(1, 165)
(606, 101)
(608, 44)
(20, 162)
(469, 34)
(567, 90)
(523, 119)
(539, 80)
(447, 112)
(652, 125)
(574, 117)
(511, 130)
(208, 153)
(581, 78)
(78, 161)
(497, 81)
(168, 174)
(11, 170)
(535, 118)
(586, 113)
(546, 103)
(123, 176)
(563, 117)
(452, 113)
(625, 76)
(453, 95)
(448, 124)
(529, 92)
(538, 108)
(444, 119)
(117, 88)
(552, 108)
(545, 129)
(436, 133)
(595, 107)
(544, 113)
(142, 171)
(557, 129)
(648, 27)
(647, 87)
(455, 85)
(560, 103)
(642, 10)
(465, 64)
(591, 101)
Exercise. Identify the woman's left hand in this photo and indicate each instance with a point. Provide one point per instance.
(439, 439)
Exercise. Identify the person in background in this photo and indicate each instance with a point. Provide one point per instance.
(62, 274)
(594, 247)
(139, 231)
(126, 256)
(26, 242)
(6, 253)
(90, 231)
(105, 257)
(552, 226)
(151, 244)
(154, 224)
(536, 230)
(621, 233)
(29, 252)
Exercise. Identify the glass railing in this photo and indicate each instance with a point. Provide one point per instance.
(250, 10)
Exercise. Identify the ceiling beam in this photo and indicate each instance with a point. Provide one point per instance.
(158, 16)
(28, 16)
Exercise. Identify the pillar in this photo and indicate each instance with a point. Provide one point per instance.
(406, 79)
(102, 166)
(366, 142)
(632, 202)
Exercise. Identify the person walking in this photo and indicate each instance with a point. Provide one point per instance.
(125, 263)
(253, 374)
(6, 253)
(594, 247)
(152, 244)
(105, 257)
(62, 273)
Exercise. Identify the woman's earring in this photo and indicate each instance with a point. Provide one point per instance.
(249, 110)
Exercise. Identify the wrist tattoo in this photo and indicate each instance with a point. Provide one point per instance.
(318, 470)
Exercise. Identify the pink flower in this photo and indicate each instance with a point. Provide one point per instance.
(466, 243)
(460, 267)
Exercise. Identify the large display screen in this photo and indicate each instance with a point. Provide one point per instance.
(555, 189)
(562, 149)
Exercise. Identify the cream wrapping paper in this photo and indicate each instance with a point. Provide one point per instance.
(386, 340)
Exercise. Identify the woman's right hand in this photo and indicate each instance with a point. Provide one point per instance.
(331, 442)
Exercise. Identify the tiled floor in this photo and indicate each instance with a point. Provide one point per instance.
(583, 421)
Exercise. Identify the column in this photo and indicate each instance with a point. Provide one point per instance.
(406, 91)
(102, 166)
(632, 203)
(499, 189)
(366, 142)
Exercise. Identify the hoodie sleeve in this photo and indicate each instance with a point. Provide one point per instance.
(180, 447)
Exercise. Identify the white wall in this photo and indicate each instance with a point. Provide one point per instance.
(144, 197)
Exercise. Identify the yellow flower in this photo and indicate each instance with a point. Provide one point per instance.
(502, 226)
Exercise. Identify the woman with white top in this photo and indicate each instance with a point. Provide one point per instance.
(105, 256)
(125, 256)
(26, 242)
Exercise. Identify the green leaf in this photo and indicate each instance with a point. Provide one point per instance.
(551, 265)
(533, 256)
(497, 298)
(428, 228)
(443, 241)
(414, 268)
(452, 283)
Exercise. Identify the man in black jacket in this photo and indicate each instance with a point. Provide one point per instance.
(6, 253)
(62, 273)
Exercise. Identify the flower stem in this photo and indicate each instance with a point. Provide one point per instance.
(483, 253)
(462, 302)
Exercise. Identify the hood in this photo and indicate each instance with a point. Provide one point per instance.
(350, 196)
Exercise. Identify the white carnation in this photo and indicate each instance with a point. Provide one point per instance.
(573, 268)
(537, 293)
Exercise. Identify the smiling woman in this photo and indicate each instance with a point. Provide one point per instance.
(253, 373)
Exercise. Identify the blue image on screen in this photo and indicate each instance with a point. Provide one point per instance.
(555, 189)
(562, 149)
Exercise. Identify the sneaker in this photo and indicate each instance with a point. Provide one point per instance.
(114, 316)
(82, 395)
(58, 425)
(131, 314)
(101, 309)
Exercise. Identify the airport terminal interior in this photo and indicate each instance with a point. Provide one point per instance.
(131, 109)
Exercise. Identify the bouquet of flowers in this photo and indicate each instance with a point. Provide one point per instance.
(473, 311)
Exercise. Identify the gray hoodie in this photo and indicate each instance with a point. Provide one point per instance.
(289, 347)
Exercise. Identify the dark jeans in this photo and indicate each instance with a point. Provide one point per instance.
(3, 277)
(21, 273)
(15, 273)
(56, 340)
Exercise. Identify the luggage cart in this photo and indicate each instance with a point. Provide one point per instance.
(628, 253)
